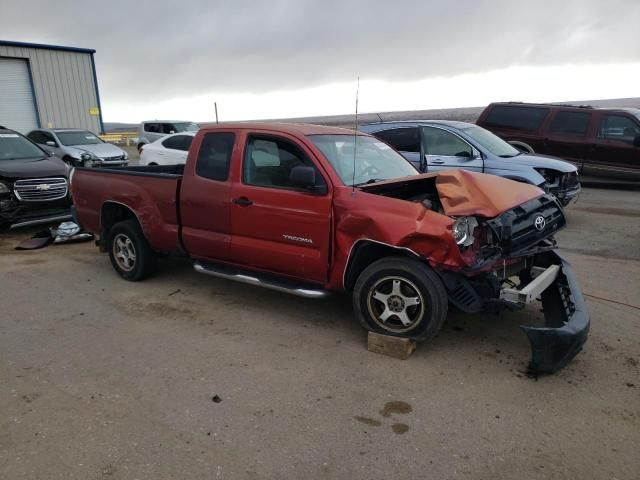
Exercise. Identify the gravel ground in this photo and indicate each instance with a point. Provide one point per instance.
(186, 376)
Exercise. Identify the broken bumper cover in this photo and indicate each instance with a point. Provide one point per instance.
(566, 319)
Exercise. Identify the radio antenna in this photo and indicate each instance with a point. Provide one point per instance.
(355, 141)
(215, 106)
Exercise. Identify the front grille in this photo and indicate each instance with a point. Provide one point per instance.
(119, 158)
(516, 229)
(40, 189)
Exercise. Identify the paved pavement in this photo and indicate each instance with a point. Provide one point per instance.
(186, 376)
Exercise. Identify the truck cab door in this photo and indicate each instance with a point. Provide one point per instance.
(278, 226)
(205, 197)
(444, 150)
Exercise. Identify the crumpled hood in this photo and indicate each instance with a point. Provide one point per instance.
(468, 193)
(45, 167)
(100, 150)
(537, 161)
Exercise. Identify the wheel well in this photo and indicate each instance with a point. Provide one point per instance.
(111, 214)
(364, 253)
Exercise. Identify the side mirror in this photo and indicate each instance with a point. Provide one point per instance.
(305, 177)
(636, 140)
(50, 143)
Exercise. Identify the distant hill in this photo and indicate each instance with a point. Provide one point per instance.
(467, 114)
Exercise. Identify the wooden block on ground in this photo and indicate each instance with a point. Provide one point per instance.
(396, 347)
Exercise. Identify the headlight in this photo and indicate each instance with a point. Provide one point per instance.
(463, 229)
(126, 156)
(4, 188)
(86, 156)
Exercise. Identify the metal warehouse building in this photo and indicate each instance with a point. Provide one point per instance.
(48, 86)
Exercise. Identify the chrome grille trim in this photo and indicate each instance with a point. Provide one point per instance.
(41, 189)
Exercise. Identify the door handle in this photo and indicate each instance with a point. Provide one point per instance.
(437, 161)
(242, 201)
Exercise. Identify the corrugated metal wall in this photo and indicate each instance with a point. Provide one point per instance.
(64, 86)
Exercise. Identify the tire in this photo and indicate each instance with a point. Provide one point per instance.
(521, 146)
(140, 145)
(152, 164)
(126, 240)
(389, 311)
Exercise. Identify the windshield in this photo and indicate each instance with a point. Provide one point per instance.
(374, 160)
(16, 147)
(185, 127)
(71, 139)
(490, 142)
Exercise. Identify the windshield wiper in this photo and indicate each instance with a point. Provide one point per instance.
(371, 180)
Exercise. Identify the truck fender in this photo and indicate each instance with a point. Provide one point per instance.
(363, 253)
(111, 213)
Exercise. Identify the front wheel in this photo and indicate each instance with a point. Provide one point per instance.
(400, 297)
(130, 254)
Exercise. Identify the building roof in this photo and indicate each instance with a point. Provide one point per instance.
(9, 43)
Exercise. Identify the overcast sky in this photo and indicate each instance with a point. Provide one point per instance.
(285, 58)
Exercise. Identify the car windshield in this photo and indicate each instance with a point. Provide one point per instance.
(185, 127)
(359, 159)
(78, 137)
(490, 142)
(16, 147)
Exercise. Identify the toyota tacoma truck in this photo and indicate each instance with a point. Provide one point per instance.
(311, 210)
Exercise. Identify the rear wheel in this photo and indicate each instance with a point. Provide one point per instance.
(140, 145)
(401, 297)
(130, 254)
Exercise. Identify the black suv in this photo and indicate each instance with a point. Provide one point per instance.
(34, 185)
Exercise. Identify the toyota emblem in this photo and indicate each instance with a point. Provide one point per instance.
(539, 223)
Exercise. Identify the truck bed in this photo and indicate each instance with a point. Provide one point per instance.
(148, 192)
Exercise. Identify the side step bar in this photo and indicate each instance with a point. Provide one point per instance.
(261, 280)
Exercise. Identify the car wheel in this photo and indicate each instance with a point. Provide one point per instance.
(153, 164)
(140, 145)
(523, 147)
(130, 254)
(400, 297)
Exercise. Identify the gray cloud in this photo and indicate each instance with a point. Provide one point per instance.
(154, 49)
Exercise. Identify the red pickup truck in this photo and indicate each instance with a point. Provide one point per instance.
(311, 210)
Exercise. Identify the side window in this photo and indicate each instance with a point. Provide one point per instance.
(516, 117)
(152, 127)
(48, 138)
(402, 139)
(618, 127)
(571, 123)
(177, 142)
(441, 142)
(168, 128)
(268, 162)
(215, 155)
(37, 137)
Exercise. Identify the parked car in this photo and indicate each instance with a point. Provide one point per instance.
(601, 142)
(33, 183)
(152, 130)
(437, 145)
(79, 147)
(310, 210)
(169, 150)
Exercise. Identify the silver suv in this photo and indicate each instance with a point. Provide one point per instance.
(152, 130)
(79, 148)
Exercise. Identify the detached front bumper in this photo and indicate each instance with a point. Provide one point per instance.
(545, 276)
(566, 319)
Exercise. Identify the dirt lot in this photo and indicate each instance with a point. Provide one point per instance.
(185, 376)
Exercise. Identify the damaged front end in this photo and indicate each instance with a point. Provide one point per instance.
(515, 263)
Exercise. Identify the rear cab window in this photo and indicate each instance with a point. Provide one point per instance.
(523, 118)
(214, 156)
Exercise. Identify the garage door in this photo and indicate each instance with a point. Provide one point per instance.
(17, 106)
